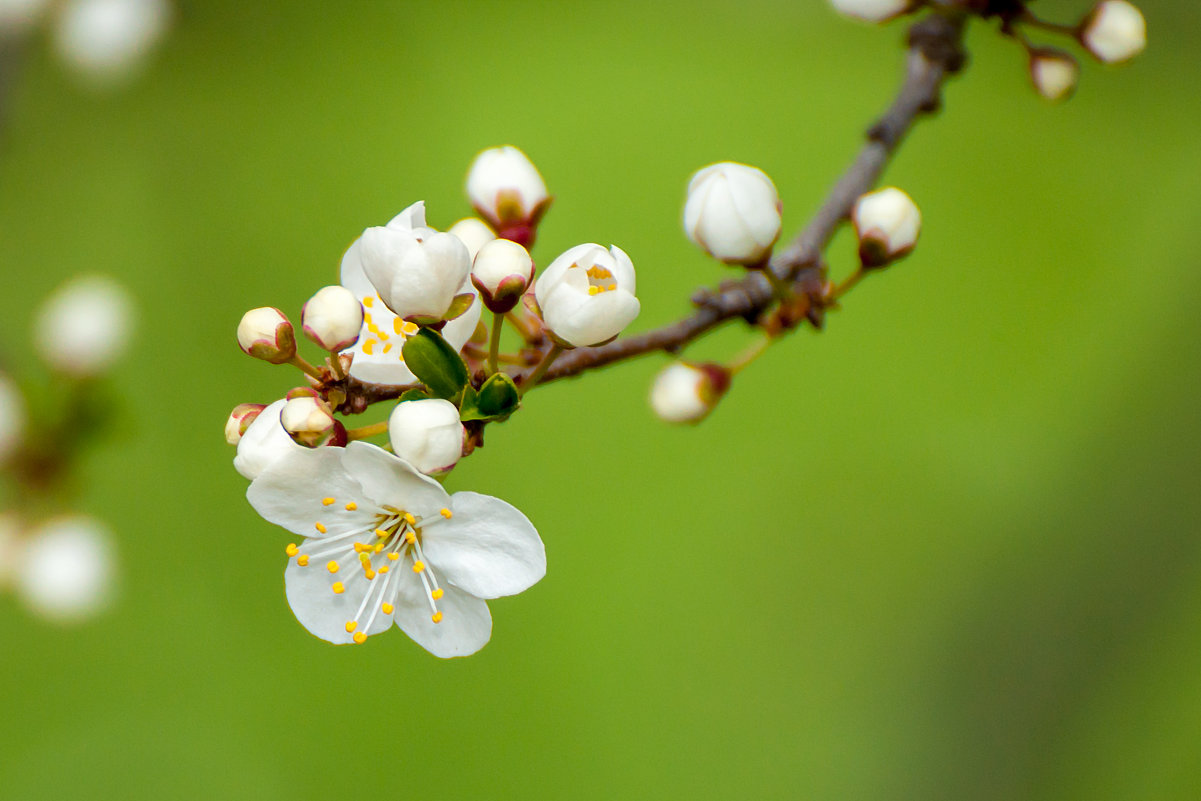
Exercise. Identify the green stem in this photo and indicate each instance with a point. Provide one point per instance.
(363, 432)
(533, 378)
(498, 322)
(847, 285)
(749, 355)
(299, 361)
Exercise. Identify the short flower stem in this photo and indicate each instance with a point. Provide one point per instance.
(299, 361)
(749, 355)
(522, 328)
(363, 432)
(849, 284)
(533, 378)
(335, 364)
(498, 322)
(778, 285)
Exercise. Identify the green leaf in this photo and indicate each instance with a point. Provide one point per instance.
(435, 363)
(413, 394)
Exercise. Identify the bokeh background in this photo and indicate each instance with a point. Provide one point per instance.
(948, 548)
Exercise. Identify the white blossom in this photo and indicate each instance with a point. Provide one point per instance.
(108, 40)
(384, 544)
(266, 333)
(686, 393)
(506, 188)
(872, 10)
(887, 223)
(1053, 73)
(586, 295)
(1114, 31)
(473, 233)
(66, 569)
(501, 273)
(427, 434)
(12, 417)
(264, 441)
(417, 277)
(240, 419)
(83, 327)
(332, 318)
(733, 213)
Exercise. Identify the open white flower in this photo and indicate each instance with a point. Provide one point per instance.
(264, 441)
(384, 544)
(377, 354)
(586, 295)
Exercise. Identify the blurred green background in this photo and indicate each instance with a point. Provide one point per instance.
(946, 549)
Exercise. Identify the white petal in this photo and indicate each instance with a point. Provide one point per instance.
(623, 269)
(264, 442)
(292, 493)
(583, 320)
(488, 547)
(352, 276)
(412, 218)
(466, 623)
(387, 479)
(325, 613)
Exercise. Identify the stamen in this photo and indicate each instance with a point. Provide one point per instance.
(379, 532)
(447, 514)
(369, 346)
(436, 617)
(359, 638)
(351, 626)
(303, 560)
(437, 594)
(394, 556)
(412, 521)
(328, 501)
(320, 527)
(332, 566)
(387, 608)
(338, 588)
(384, 569)
(350, 507)
(418, 567)
(291, 550)
(369, 301)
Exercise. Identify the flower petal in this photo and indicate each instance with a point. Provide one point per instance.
(488, 548)
(583, 319)
(293, 490)
(323, 612)
(466, 623)
(388, 479)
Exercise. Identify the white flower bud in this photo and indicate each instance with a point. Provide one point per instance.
(18, 16)
(263, 442)
(240, 419)
(417, 274)
(502, 272)
(1053, 73)
(66, 569)
(887, 223)
(109, 39)
(872, 10)
(427, 434)
(686, 393)
(474, 234)
(733, 213)
(266, 333)
(308, 421)
(1114, 31)
(506, 190)
(12, 417)
(332, 318)
(83, 327)
(586, 295)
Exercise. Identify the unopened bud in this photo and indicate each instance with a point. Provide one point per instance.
(308, 421)
(332, 318)
(240, 419)
(887, 223)
(66, 569)
(83, 327)
(502, 272)
(733, 213)
(872, 10)
(265, 333)
(473, 233)
(686, 393)
(506, 190)
(427, 434)
(12, 417)
(1114, 31)
(1053, 73)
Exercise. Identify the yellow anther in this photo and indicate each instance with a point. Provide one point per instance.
(410, 329)
(412, 521)
(350, 507)
(328, 501)
(384, 569)
(351, 626)
(320, 527)
(598, 272)
(332, 567)
(436, 617)
(593, 290)
(379, 532)
(447, 514)
(418, 567)
(359, 638)
(378, 548)
(365, 558)
(398, 325)
(438, 593)
(302, 560)
(393, 556)
(387, 347)
(370, 574)
(291, 550)
(359, 547)
(369, 301)
(338, 588)
(410, 537)
(369, 346)
(386, 608)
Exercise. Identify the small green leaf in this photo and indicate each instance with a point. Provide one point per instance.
(435, 363)
(498, 397)
(413, 394)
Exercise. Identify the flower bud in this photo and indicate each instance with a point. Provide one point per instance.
(1053, 73)
(308, 421)
(887, 223)
(586, 295)
(332, 318)
(417, 275)
(733, 213)
(66, 569)
(265, 333)
(83, 327)
(108, 40)
(240, 419)
(502, 272)
(1114, 31)
(427, 434)
(12, 417)
(506, 190)
(872, 10)
(473, 233)
(686, 393)
(263, 442)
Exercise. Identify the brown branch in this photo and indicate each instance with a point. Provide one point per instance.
(935, 52)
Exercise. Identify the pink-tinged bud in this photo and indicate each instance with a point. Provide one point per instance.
(332, 318)
(240, 419)
(309, 422)
(502, 272)
(506, 190)
(265, 333)
(686, 393)
(1053, 73)
(1114, 31)
(887, 223)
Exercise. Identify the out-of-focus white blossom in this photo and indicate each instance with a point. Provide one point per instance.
(83, 327)
(733, 213)
(18, 16)
(66, 569)
(427, 434)
(1114, 31)
(887, 223)
(473, 233)
(872, 10)
(108, 40)
(686, 393)
(1053, 73)
(586, 295)
(506, 188)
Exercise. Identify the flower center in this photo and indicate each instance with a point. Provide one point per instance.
(600, 280)
(381, 553)
(376, 337)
